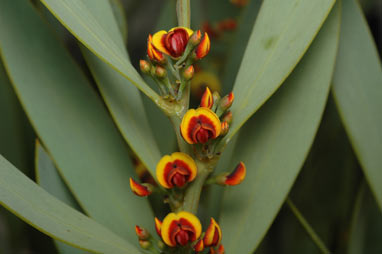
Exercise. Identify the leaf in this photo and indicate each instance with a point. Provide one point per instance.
(282, 33)
(35, 206)
(48, 178)
(241, 37)
(122, 99)
(366, 225)
(275, 143)
(358, 91)
(70, 120)
(120, 16)
(77, 17)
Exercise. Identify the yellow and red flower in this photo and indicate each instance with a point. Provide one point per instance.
(174, 42)
(207, 100)
(213, 234)
(158, 226)
(152, 52)
(176, 169)
(141, 190)
(200, 125)
(180, 228)
(235, 178)
(199, 246)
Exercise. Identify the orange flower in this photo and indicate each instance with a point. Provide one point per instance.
(221, 249)
(207, 100)
(235, 178)
(142, 233)
(200, 125)
(173, 42)
(141, 190)
(158, 226)
(180, 228)
(199, 246)
(176, 169)
(213, 234)
(153, 53)
(203, 47)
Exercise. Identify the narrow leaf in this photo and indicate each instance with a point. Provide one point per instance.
(282, 33)
(275, 142)
(123, 100)
(70, 120)
(35, 206)
(48, 178)
(77, 17)
(357, 88)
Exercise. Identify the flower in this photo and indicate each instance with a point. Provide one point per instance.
(142, 233)
(180, 228)
(158, 226)
(176, 169)
(199, 246)
(141, 190)
(153, 53)
(207, 101)
(200, 125)
(173, 42)
(235, 178)
(213, 234)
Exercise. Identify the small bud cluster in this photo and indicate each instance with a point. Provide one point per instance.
(170, 59)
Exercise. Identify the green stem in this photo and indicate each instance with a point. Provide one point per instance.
(183, 11)
(192, 194)
(313, 235)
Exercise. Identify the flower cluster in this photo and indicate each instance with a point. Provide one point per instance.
(174, 52)
(183, 229)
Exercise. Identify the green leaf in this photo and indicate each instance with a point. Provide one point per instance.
(357, 90)
(70, 120)
(77, 17)
(241, 37)
(48, 178)
(120, 16)
(275, 142)
(366, 225)
(123, 99)
(35, 206)
(282, 33)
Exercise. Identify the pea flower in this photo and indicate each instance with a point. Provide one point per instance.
(141, 190)
(234, 178)
(200, 125)
(176, 169)
(207, 100)
(180, 228)
(213, 234)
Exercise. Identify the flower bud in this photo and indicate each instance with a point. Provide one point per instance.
(144, 244)
(203, 48)
(227, 117)
(142, 233)
(235, 178)
(158, 226)
(188, 73)
(221, 249)
(226, 102)
(199, 246)
(225, 128)
(141, 190)
(207, 100)
(213, 234)
(145, 66)
(160, 72)
(195, 38)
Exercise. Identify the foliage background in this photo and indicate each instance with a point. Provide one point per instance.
(326, 190)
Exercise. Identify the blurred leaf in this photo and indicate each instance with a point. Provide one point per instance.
(282, 33)
(120, 16)
(357, 88)
(70, 120)
(122, 99)
(275, 143)
(366, 231)
(48, 178)
(77, 17)
(37, 207)
(236, 51)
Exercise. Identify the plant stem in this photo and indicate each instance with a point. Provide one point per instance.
(313, 235)
(183, 11)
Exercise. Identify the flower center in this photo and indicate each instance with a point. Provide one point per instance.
(182, 237)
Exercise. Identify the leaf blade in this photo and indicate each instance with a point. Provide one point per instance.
(35, 206)
(289, 120)
(357, 91)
